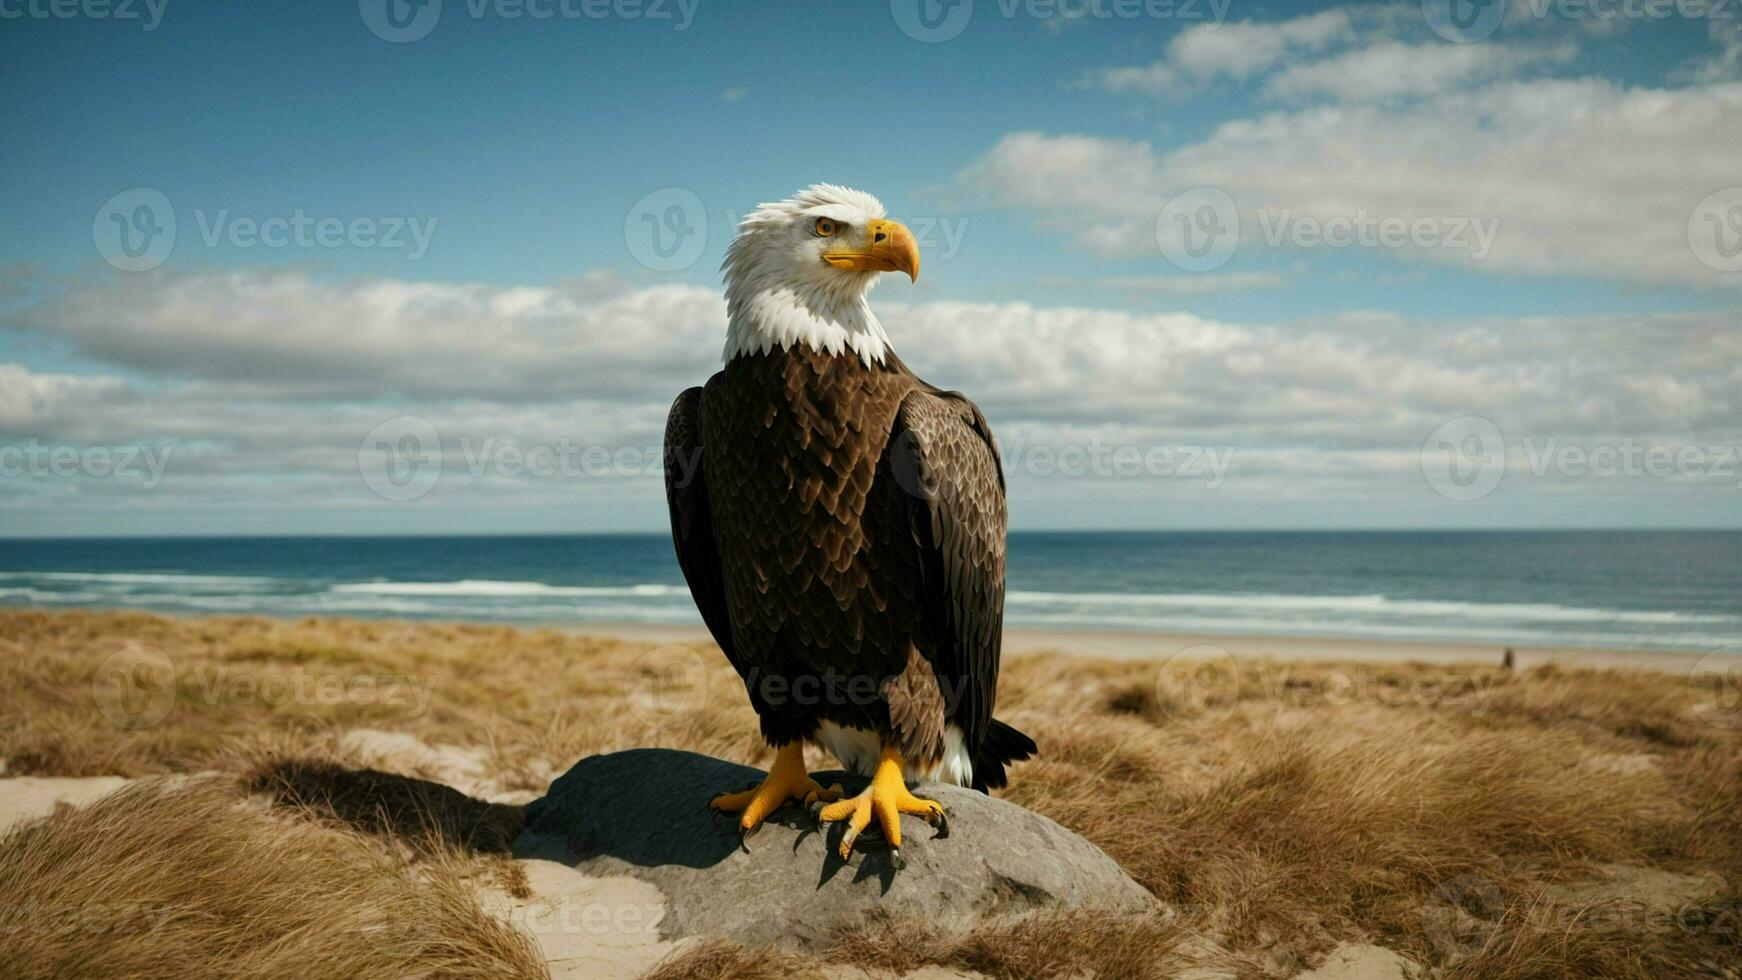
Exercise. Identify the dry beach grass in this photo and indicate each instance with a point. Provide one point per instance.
(182, 879)
(1479, 822)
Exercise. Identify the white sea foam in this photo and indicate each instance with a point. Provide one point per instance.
(492, 587)
(1500, 635)
(152, 578)
(1373, 615)
(1367, 605)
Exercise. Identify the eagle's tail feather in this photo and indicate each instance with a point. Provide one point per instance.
(1003, 745)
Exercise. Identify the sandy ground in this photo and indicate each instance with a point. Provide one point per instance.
(30, 797)
(1133, 645)
(582, 924)
(562, 897)
(562, 911)
(1361, 962)
(563, 914)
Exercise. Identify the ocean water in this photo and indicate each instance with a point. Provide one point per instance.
(1678, 590)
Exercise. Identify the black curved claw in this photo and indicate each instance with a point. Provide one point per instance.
(744, 837)
(896, 861)
(816, 812)
(941, 821)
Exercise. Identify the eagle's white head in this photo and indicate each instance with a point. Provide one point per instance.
(799, 270)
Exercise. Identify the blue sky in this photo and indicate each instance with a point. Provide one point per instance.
(528, 140)
(1042, 152)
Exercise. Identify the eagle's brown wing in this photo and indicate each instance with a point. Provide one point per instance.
(943, 458)
(692, 529)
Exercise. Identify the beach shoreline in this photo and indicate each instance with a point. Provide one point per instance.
(1141, 645)
(1379, 595)
(1112, 644)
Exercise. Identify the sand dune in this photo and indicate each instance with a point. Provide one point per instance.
(1310, 816)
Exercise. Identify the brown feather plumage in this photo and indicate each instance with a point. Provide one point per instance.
(846, 523)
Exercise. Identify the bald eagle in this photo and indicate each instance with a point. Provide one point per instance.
(841, 526)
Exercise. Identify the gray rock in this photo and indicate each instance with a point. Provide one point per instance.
(644, 813)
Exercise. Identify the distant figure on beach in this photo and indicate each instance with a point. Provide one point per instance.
(1506, 659)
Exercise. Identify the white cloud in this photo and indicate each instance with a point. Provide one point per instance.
(1333, 410)
(1582, 177)
(1180, 285)
(373, 337)
(1392, 69)
(1726, 63)
(1358, 52)
(29, 400)
(1358, 379)
(1206, 53)
(1585, 177)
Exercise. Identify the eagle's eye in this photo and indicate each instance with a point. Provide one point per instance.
(826, 228)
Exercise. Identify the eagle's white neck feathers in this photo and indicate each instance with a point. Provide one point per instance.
(778, 294)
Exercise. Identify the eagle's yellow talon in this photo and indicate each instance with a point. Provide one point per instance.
(786, 780)
(888, 798)
(820, 795)
(732, 802)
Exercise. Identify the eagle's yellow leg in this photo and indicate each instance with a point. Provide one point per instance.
(886, 798)
(786, 780)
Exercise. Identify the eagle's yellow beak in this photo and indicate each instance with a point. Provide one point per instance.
(887, 246)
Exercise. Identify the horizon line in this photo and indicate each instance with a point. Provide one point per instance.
(333, 535)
